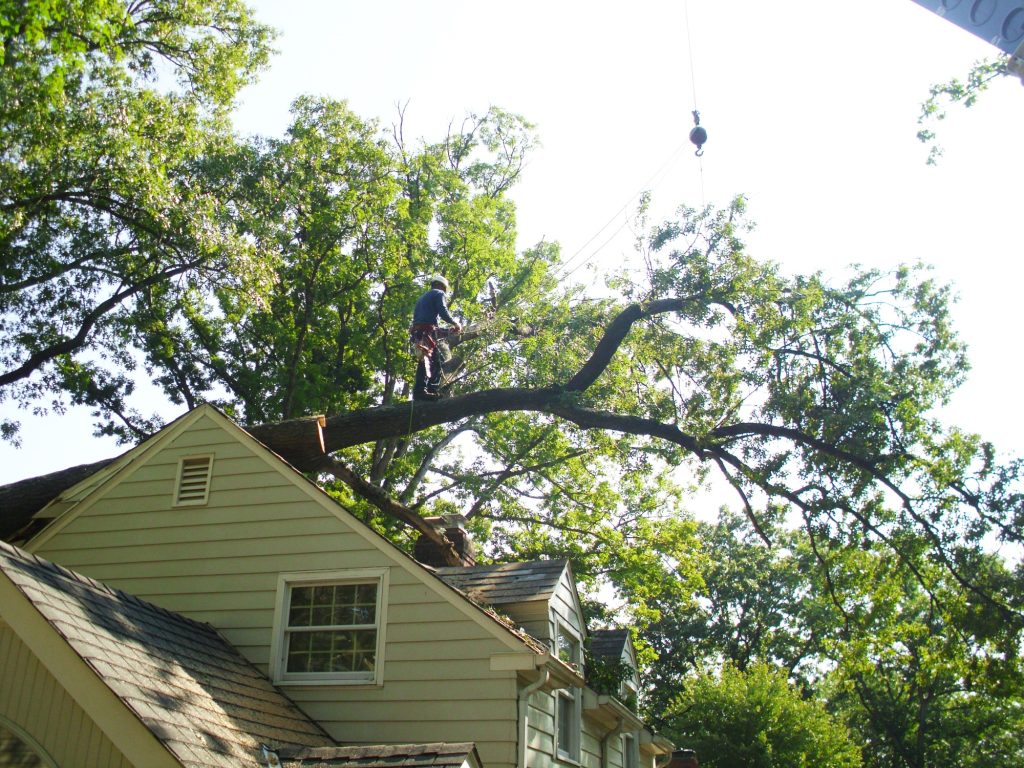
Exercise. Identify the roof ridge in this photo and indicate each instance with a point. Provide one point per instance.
(510, 564)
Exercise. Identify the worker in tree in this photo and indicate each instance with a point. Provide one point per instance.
(428, 339)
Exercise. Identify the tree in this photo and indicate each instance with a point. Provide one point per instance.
(755, 719)
(113, 121)
(922, 675)
(817, 396)
(750, 608)
(955, 91)
(794, 390)
(926, 675)
(276, 277)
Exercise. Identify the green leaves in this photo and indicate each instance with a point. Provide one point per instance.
(106, 190)
(954, 91)
(756, 719)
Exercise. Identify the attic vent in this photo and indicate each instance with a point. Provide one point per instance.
(194, 480)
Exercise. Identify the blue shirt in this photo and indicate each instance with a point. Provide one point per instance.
(430, 307)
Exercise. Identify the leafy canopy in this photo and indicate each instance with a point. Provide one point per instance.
(112, 128)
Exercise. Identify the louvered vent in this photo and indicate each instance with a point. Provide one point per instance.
(194, 480)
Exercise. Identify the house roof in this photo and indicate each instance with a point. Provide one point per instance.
(202, 700)
(437, 755)
(506, 582)
(608, 643)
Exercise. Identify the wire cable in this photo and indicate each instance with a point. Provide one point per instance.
(565, 270)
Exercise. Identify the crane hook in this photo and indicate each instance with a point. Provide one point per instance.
(698, 135)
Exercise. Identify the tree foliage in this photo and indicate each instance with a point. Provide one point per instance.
(923, 675)
(957, 91)
(756, 719)
(275, 277)
(112, 115)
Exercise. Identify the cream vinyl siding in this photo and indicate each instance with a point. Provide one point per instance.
(220, 564)
(542, 737)
(32, 699)
(565, 606)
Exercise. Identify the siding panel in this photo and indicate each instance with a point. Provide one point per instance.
(32, 699)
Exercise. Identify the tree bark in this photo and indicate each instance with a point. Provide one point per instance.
(305, 442)
(20, 500)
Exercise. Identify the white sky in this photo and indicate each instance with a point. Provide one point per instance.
(810, 107)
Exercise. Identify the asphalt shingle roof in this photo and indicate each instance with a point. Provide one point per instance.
(506, 582)
(608, 643)
(204, 701)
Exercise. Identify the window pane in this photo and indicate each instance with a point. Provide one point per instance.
(15, 752)
(568, 647)
(334, 651)
(299, 612)
(331, 629)
(565, 718)
(333, 605)
(299, 616)
(629, 755)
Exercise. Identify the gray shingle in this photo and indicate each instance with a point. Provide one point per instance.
(506, 582)
(608, 643)
(195, 692)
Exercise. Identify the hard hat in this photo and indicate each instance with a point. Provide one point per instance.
(440, 279)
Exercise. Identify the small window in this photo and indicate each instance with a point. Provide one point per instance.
(17, 748)
(567, 724)
(329, 628)
(332, 628)
(567, 645)
(193, 486)
(630, 751)
(568, 702)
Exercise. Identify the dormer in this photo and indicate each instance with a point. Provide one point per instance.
(539, 596)
(613, 650)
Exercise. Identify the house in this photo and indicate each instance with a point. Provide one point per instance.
(302, 636)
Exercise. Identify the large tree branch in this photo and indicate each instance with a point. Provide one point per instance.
(389, 506)
(615, 333)
(71, 343)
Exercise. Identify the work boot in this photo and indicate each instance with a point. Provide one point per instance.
(425, 395)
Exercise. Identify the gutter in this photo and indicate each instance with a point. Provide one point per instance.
(550, 671)
(543, 676)
(662, 744)
(606, 743)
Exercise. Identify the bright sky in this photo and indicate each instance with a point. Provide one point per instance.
(810, 107)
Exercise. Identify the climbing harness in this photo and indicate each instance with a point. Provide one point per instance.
(422, 340)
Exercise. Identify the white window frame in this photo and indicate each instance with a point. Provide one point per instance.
(573, 695)
(630, 686)
(178, 502)
(279, 641)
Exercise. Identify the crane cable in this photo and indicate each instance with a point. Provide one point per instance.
(698, 134)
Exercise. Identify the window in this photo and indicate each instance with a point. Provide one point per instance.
(629, 688)
(329, 627)
(630, 751)
(567, 724)
(568, 704)
(17, 748)
(193, 485)
(567, 645)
